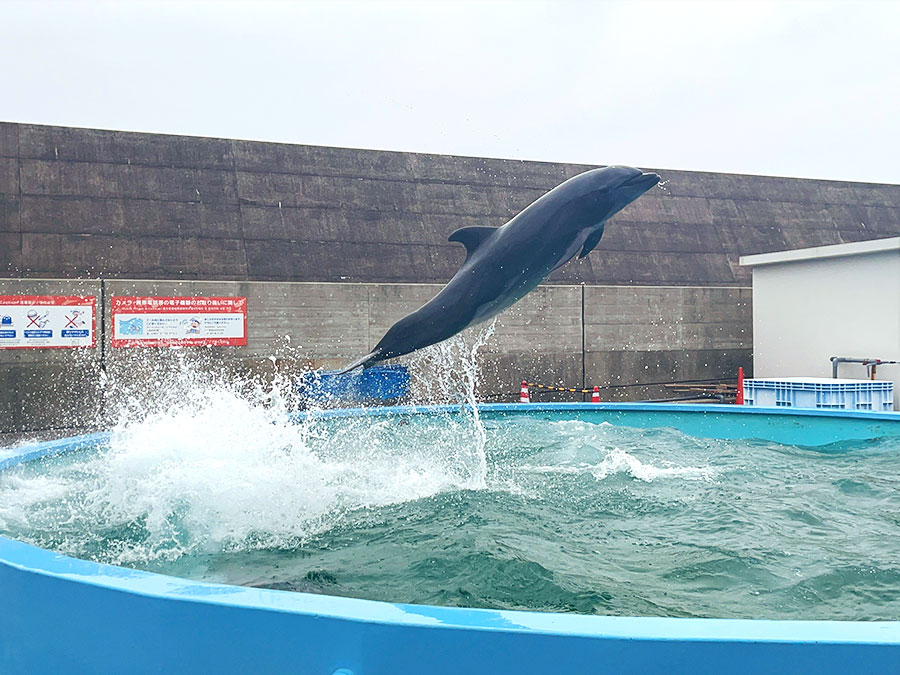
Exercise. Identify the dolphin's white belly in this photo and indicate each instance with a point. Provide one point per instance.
(490, 309)
(574, 247)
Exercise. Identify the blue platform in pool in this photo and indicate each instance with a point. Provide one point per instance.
(378, 383)
(65, 615)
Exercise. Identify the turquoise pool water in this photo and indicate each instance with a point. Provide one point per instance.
(527, 512)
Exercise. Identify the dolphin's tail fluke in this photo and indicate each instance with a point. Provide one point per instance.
(363, 362)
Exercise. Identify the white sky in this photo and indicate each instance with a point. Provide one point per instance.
(798, 88)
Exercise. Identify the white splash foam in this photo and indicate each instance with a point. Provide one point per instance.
(448, 372)
(217, 465)
(18, 494)
(619, 461)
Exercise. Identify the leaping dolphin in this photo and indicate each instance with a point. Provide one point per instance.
(505, 263)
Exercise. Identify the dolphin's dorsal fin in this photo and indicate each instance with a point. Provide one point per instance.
(472, 237)
(592, 241)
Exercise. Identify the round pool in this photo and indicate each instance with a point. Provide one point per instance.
(512, 537)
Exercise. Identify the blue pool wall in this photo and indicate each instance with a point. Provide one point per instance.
(59, 614)
(793, 426)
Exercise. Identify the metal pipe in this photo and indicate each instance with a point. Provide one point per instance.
(868, 363)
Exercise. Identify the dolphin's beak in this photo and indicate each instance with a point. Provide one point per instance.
(643, 181)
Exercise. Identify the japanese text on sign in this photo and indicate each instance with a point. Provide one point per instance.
(178, 321)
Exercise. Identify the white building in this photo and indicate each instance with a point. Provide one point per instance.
(815, 303)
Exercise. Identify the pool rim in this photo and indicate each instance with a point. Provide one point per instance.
(31, 559)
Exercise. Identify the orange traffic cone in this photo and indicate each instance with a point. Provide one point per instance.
(523, 396)
(595, 396)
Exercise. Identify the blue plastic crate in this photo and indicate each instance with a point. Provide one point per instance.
(378, 383)
(820, 392)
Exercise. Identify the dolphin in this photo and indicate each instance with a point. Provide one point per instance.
(503, 264)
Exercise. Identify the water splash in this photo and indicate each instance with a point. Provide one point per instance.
(201, 460)
(219, 473)
(620, 461)
(579, 440)
(449, 372)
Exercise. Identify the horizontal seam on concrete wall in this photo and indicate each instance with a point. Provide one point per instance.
(246, 201)
(380, 242)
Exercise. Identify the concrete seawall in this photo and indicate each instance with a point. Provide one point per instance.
(92, 203)
(559, 335)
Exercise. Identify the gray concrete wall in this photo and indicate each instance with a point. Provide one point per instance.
(90, 203)
(560, 335)
(665, 334)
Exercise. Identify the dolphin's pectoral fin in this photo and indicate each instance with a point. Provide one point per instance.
(591, 242)
(472, 237)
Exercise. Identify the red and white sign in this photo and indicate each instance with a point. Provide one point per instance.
(182, 321)
(47, 321)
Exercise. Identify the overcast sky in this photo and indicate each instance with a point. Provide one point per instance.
(797, 88)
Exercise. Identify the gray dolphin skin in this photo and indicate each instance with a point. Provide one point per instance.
(503, 264)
